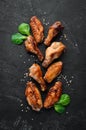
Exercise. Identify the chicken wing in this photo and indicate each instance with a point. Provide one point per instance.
(33, 96)
(31, 46)
(53, 95)
(53, 52)
(53, 71)
(36, 73)
(53, 31)
(37, 29)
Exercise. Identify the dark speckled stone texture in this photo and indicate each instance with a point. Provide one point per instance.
(15, 114)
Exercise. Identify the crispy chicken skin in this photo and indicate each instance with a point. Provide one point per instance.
(53, 71)
(53, 95)
(33, 96)
(37, 29)
(30, 45)
(53, 31)
(53, 52)
(36, 73)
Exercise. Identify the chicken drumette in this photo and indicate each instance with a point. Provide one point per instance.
(33, 96)
(31, 46)
(37, 29)
(36, 73)
(53, 95)
(53, 31)
(53, 71)
(53, 52)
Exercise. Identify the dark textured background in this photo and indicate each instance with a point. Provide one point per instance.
(15, 114)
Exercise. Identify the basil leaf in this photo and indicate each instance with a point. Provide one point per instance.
(18, 38)
(24, 28)
(59, 108)
(64, 100)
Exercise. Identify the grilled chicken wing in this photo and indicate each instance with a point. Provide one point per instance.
(36, 73)
(37, 29)
(31, 46)
(53, 31)
(53, 52)
(33, 96)
(53, 95)
(53, 71)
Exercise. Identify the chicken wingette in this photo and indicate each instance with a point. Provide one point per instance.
(53, 71)
(37, 29)
(53, 95)
(33, 96)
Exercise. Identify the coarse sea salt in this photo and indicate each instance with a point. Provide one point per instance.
(21, 105)
(28, 59)
(24, 62)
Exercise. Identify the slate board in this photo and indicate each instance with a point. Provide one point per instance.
(15, 114)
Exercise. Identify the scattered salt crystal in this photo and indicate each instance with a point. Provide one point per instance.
(22, 80)
(80, 17)
(65, 77)
(32, 119)
(47, 23)
(43, 20)
(67, 112)
(72, 77)
(21, 105)
(24, 62)
(70, 81)
(28, 59)
(44, 12)
(76, 45)
(28, 108)
(20, 101)
(26, 74)
(68, 84)
(26, 111)
(65, 36)
(22, 110)
(20, 55)
(40, 123)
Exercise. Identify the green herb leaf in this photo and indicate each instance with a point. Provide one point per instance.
(24, 28)
(64, 100)
(18, 38)
(59, 108)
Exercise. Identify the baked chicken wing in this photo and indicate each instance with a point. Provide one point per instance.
(53, 95)
(53, 71)
(53, 52)
(37, 29)
(53, 31)
(31, 46)
(36, 73)
(33, 96)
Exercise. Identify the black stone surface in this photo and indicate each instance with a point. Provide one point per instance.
(15, 114)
